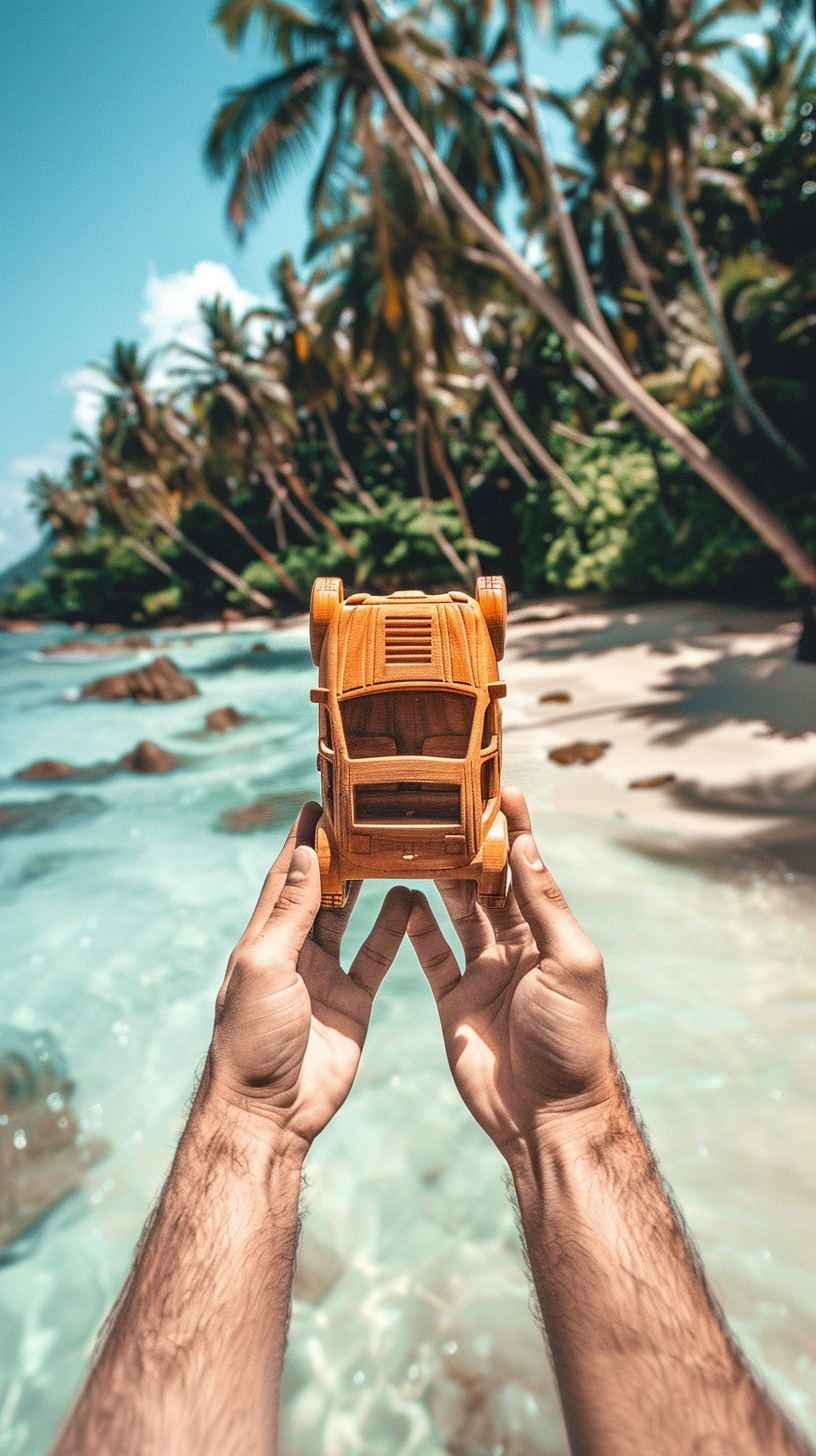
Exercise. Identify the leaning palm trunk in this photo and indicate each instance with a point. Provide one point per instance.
(152, 559)
(442, 464)
(261, 551)
(530, 441)
(445, 546)
(352, 484)
(635, 266)
(601, 360)
(170, 529)
(565, 227)
(705, 283)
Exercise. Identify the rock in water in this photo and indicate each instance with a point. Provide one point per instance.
(220, 720)
(159, 682)
(47, 768)
(263, 813)
(578, 753)
(148, 758)
(43, 1154)
(32, 817)
(123, 648)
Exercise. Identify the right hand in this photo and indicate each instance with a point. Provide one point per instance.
(525, 1026)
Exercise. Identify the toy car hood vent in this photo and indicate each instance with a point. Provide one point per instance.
(408, 638)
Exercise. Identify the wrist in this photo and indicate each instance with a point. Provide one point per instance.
(568, 1136)
(225, 1128)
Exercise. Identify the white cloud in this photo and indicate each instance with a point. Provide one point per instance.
(171, 303)
(87, 385)
(18, 531)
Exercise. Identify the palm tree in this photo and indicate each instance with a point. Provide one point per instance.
(150, 464)
(606, 365)
(658, 92)
(315, 374)
(255, 135)
(248, 423)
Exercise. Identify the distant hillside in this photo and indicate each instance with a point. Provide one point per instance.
(27, 568)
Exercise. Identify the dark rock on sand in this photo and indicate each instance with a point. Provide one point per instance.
(158, 682)
(578, 753)
(148, 758)
(43, 1154)
(262, 813)
(555, 698)
(220, 720)
(655, 782)
(33, 817)
(122, 648)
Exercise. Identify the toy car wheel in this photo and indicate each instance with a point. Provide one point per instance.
(491, 596)
(327, 598)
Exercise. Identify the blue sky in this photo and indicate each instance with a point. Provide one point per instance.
(104, 111)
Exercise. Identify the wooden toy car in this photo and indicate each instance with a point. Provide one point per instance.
(410, 736)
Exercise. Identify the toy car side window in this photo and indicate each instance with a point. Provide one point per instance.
(490, 726)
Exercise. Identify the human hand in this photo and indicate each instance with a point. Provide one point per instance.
(525, 1026)
(289, 1022)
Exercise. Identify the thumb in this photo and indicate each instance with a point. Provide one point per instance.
(297, 905)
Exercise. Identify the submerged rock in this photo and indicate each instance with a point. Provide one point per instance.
(578, 753)
(31, 817)
(220, 720)
(123, 648)
(43, 1154)
(158, 682)
(148, 757)
(48, 768)
(262, 813)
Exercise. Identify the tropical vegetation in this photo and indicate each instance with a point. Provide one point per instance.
(613, 392)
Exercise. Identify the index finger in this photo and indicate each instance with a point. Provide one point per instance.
(302, 832)
(538, 897)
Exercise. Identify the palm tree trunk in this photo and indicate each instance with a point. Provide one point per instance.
(271, 561)
(565, 227)
(442, 464)
(282, 498)
(438, 534)
(530, 441)
(638, 272)
(171, 530)
(705, 283)
(296, 484)
(147, 555)
(601, 360)
(344, 465)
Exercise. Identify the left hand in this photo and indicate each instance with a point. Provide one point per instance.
(289, 1022)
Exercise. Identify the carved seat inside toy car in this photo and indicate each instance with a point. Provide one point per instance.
(420, 722)
(371, 746)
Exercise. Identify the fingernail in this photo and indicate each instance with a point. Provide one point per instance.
(298, 865)
(529, 849)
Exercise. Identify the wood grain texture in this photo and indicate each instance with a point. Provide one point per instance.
(410, 736)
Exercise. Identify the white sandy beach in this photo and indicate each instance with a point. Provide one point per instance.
(709, 694)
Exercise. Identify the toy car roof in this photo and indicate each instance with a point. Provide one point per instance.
(409, 637)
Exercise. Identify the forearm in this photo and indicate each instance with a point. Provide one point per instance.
(642, 1357)
(192, 1357)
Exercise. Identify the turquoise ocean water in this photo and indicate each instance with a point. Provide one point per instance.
(411, 1332)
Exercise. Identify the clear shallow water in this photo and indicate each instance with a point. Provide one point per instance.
(412, 1332)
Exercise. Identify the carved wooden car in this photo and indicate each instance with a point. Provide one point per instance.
(410, 737)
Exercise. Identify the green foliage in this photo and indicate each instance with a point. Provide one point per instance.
(367, 427)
